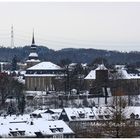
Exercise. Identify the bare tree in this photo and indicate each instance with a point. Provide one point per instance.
(11, 88)
(115, 124)
(119, 125)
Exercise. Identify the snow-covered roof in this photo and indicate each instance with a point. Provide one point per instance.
(16, 127)
(42, 75)
(33, 60)
(14, 118)
(15, 124)
(92, 73)
(132, 109)
(4, 63)
(97, 113)
(33, 54)
(125, 75)
(45, 66)
(48, 116)
(101, 67)
(20, 79)
(102, 112)
(83, 64)
(47, 127)
(73, 114)
(119, 66)
(59, 110)
(10, 100)
(73, 64)
(121, 73)
(40, 93)
(22, 72)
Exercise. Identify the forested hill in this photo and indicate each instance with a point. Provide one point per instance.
(75, 55)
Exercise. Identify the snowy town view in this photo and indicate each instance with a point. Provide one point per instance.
(44, 100)
(84, 92)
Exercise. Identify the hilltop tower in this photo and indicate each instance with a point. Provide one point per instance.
(33, 56)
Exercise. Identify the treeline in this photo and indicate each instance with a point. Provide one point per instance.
(75, 55)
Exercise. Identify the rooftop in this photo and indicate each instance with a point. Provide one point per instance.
(45, 66)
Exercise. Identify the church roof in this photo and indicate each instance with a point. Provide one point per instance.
(45, 66)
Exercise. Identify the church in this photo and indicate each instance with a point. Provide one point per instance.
(41, 76)
(33, 56)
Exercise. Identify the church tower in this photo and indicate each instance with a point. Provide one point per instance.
(33, 56)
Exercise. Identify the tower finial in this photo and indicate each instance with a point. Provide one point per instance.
(33, 40)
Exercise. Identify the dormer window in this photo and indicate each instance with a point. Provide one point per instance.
(81, 115)
(22, 133)
(132, 116)
(107, 116)
(31, 123)
(73, 117)
(53, 130)
(14, 134)
(60, 129)
(100, 116)
(9, 134)
(91, 116)
(136, 116)
(63, 113)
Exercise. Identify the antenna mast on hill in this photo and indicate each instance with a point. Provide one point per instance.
(12, 37)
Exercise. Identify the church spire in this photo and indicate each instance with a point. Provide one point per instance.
(33, 40)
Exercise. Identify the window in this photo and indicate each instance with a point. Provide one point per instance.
(91, 116)
(132, 116)
(136, 116)
(58, 136)
(100, 116)
(14, 134)
(81, 115)
(53, 130)
(22, 133)
(63, 113)
(73, 117)
(60, 129)
(107, 116)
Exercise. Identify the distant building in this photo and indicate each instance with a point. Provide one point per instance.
(96, 116)
(4, 66)
(85, 117)
(100, 75)
(33, 56)
(72, 66)
(120, 79)
(41, 77)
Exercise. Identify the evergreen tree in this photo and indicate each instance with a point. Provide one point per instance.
(14, 63)
(21, 104)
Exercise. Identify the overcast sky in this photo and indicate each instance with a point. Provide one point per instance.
(111, 26)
